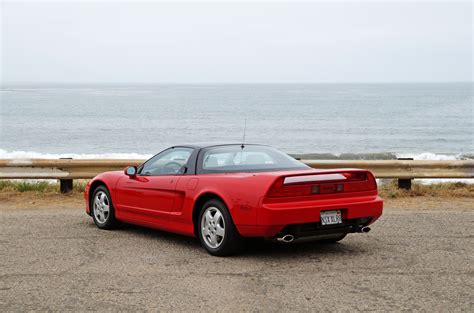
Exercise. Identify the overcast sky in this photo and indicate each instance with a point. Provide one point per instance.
(284, 42)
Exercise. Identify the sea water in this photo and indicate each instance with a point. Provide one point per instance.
(362, 121)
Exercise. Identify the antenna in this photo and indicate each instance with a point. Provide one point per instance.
(243, 138)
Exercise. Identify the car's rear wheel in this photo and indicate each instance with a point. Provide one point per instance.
(216, 229)
(103, 211)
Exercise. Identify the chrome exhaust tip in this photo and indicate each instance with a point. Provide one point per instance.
(365, 229)
(287, 238)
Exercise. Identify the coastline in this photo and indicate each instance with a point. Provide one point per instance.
(31, 154)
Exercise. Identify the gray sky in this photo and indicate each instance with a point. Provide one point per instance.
(212, 42)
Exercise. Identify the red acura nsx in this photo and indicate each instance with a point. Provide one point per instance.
(224, 193)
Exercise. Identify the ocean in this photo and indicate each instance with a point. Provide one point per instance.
(352, 121)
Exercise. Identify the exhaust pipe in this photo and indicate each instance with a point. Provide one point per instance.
(365, 229)
(287, 238)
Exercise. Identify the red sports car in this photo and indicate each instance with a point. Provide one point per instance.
(223, 193)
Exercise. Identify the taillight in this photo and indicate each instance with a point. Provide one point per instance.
(306, 185)
(354, 176)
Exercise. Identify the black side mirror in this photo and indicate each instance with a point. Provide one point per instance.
(131, 171)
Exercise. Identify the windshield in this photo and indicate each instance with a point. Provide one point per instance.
(250, 158)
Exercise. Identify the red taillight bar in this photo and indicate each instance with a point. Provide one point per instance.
(314, 184)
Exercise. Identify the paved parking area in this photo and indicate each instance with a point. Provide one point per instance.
(56, 259)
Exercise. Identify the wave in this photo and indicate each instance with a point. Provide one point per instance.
(430, 181)
(307, 156)
(38, 155)
(435, 156)
(384, 156)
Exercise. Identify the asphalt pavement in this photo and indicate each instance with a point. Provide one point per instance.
(56, 259)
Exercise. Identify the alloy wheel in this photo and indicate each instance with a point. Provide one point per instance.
(101, 207)
(213, 227)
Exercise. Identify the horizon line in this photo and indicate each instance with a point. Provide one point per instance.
(230, 83)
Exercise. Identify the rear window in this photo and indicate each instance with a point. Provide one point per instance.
(250, 158)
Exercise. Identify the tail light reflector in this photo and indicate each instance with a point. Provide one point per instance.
(355, 176)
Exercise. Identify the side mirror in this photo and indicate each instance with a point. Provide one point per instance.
(131, 171)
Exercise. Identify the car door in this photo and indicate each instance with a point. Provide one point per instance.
(152, 192)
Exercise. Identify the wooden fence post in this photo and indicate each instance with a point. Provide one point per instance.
(404, 183)
(65, 185)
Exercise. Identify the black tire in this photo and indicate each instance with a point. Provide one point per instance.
(335, 239)
(231, 242)
(108, 221)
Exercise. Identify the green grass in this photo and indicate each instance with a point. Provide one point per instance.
(38, 186)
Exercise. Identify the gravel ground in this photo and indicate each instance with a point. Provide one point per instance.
(56, 259)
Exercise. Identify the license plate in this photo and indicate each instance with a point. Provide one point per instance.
(331, 217)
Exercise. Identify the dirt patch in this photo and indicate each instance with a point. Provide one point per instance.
(34, 199)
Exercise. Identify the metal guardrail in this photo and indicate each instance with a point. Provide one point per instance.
(67, 169)
(404, 168)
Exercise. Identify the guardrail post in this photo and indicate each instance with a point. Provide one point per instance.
(65, 185)
(404, 183)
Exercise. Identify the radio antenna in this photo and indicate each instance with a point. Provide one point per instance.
(243, 138)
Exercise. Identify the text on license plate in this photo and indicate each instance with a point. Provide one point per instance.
(331, 217)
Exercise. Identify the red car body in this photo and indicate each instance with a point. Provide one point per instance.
(261, 204)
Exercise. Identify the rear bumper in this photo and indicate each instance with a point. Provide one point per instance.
(272, 218)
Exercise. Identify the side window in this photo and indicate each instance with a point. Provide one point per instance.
(169, 162)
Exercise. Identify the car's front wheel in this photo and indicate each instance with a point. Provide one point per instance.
(103, 211)
(216, 230)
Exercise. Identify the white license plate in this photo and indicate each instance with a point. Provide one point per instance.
(331, 217)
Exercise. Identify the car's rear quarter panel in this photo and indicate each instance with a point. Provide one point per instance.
(241, 193)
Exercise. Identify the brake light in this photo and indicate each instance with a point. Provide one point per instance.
(354, 176)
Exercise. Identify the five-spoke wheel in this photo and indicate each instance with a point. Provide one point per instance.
(216, 230)
(102, 208)
(213, 227)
